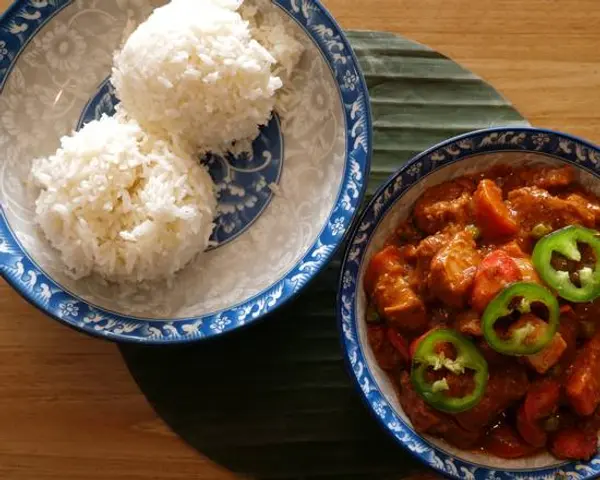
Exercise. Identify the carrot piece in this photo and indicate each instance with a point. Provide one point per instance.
(574, 444)
(491, 213)
(542, 399)
(399, 343)
(583, 383)
(505, 442)
(531, 431)
(383, 351)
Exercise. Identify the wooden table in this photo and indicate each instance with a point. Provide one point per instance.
(69, 409)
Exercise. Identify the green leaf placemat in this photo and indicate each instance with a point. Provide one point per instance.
(275, 401)
(420, 97)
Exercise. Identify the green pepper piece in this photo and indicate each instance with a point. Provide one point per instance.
(564, 241)
(372, 315)
(540, 230)
(503, 305)
(468, 357)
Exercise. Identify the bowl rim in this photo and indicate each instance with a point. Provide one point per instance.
(48, 296)
(355, 362)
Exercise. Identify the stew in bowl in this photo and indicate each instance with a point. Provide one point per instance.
(469, 300)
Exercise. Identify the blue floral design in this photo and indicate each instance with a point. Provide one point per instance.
(220, 324)
(102, 102)
(244, 182)
(19, 25)
(337, 227)
(350, 80)
(69, 309)
(414, 170)
(569, 149)
(3, 50)
(540, 139)
(347, 280)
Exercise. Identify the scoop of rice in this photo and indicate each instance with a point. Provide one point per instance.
(193, 73)
(123, 204)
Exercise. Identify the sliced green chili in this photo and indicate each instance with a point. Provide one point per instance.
(565, 242)
(372, 316)
(467, 358)
(519, 297)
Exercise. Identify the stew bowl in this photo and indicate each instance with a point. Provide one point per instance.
(393, 203)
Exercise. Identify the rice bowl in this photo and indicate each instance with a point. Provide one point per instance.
(316, 155)
(125, 197)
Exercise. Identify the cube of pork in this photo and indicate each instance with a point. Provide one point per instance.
(534, 206)
(424, 253)
(550, 355)
(468, 323)
(583, 382)
(423, 417)
(385, 261)
(399, 304)
(584, 203)
(448, 202)
(452, 270)
(426, 419)
(506, 385)
(548, 178)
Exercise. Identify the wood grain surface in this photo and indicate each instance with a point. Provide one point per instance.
(68, 407)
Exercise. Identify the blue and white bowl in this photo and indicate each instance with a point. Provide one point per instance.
(392, 203)
(282, 212)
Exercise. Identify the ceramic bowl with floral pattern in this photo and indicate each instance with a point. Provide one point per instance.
(468, 154)
(283, 210)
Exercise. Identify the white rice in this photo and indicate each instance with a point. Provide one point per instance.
(124, 205)
(274, 34)
(123, 197)
(193, 73)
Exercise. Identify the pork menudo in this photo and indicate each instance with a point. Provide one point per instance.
(484, 310)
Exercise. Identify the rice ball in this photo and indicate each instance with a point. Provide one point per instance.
(193, 73)
(125, 205)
